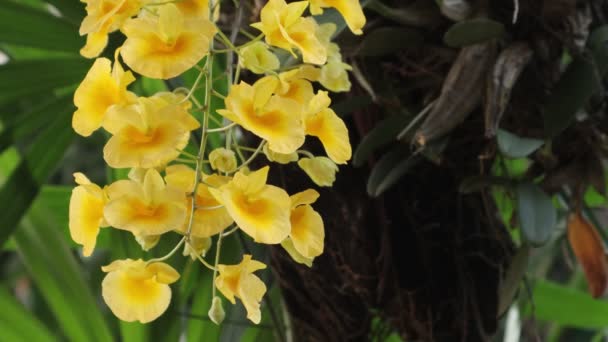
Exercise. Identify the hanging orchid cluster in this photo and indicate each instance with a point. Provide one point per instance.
(212, 193)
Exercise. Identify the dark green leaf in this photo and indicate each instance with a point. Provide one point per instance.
(537, 215)
(25, 26)
(72, 10)
(423, 15)
(384, 132)
(478, 183)
(389, 169)
(567, 306)
(20, 79)
(57, 275)
(578, 83)
(27, 123)
(514, 146)
(40, 161)
(473, 31)
(18, 324)
(381, 41)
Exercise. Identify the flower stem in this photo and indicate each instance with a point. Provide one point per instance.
(252, 157)
(181, 242)
(218, 249)
(221, 129)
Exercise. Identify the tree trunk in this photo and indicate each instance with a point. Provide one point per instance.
(425, 258)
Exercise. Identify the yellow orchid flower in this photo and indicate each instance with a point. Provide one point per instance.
(137, 291)
(260, 210)
(323, 123)
(102, 87)
(288, 246)
(321, 170)
(148, 133)
(258, 58)
(273, 118)
(307, 229)
(86, 213)
(350, 9)
(165, 45)
(194, 8)
(104, 17)
(147, 208)
(239, 281)
(222, 159)
(210, 217)
(284, 27)
(295, 87)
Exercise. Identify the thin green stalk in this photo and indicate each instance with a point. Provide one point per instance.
(218, 249)
(179, 244)
(252, 157)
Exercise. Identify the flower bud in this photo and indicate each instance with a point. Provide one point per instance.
(334, 76)
(321, 170)
(280, 158)
(197, 246)
(257, 58)
(147, 242)
(216, 312)
(223, 160)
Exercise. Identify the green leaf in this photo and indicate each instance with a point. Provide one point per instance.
(71, 10)
(20, 79)
(389, 169)
(423, 14)
(511, 168)
(18, 324)
(567, 306)
(57, 275)
(380, 42)
(594, 199)
(35, 119)
(537, 215)
(504, 204)
(514, 146)
(23, 25)
(578, 83)
(473, 31)
(383, 133)
(134, 332)
(40, 161)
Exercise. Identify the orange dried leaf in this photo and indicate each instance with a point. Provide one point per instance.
(589, 250)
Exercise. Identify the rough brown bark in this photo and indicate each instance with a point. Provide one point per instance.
(425, 257)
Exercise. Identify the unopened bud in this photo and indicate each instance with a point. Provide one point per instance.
(223, 160)
(216, 313)
(147, 242)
